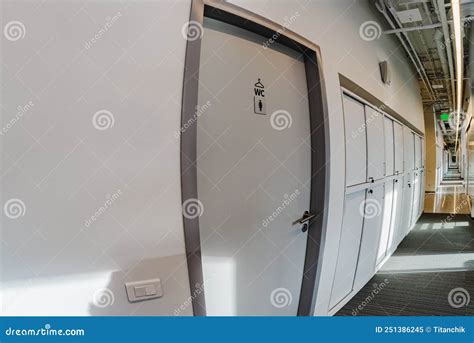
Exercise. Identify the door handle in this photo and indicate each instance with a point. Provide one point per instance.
(304, 220)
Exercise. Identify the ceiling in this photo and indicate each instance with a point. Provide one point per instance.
(422, 27)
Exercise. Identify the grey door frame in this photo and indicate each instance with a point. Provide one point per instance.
(239, 17)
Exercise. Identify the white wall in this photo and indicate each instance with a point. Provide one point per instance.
(63, 168)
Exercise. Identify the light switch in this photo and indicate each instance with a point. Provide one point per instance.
(140, 291)
(144, 290)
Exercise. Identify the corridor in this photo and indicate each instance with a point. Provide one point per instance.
(426, 274)
(448, 199)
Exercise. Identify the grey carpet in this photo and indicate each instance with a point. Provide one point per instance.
(425, 293)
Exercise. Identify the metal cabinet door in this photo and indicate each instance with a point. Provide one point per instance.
(373, 215)
(386, 227)
(356, 141)
(389, 147)
(375, 144)
(349, 243)
(398, 147)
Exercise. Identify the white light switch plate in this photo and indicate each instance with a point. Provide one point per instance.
(144, 290)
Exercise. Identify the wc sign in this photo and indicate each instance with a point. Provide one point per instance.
(259, 98)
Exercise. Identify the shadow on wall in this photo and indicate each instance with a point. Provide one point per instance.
(112, 299)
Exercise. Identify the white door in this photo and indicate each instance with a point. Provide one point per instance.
(398, 139)
(254, 171)
(422, 176)
(373, 215)
(389, 148)
(375, 144)
(396, 225)
(407, 204)
(416, 179)
(349, 244)
(356, 142)
(409, 149)
(416, 196)
(417, 152)
(422, 192)
(386, 221)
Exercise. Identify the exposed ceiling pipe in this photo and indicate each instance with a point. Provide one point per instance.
(380, 5)
(458, 40)
(422, 39)
(424, 27)
(414, 28)
(393, 11)
(440, 11)
(438, 37)
(443, 127)
(471, 63)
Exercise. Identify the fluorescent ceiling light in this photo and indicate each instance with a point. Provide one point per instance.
(459, 60)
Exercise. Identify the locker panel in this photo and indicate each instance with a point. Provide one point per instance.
(422, 153)
(396, 224)
(348, 247)
(416, 196)
(389, 147)
(409, 149)
(375, 144)
(386, 221)
(356, 145)
(407, 205)
(398, 147)
(373, 216)
(422, 192)
(417, 140)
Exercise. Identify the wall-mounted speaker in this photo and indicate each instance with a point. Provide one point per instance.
(385, 72)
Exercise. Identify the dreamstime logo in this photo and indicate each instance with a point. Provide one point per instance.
(103, 120)
(21, 111)
(362, 128)
(103, 297)
(198, 290)
(459, 297)
(457, 210)
(14, 208)
(370, 30)
(109, 21)
(281, 120)
(452, 36)
(281, 297)
(375, 291)
(192, 30)
(370, 208)
(453, 120)
(14, 30)
(101, 210)
(193, 208)
(200, 110)
(286, 24)
(287, 200)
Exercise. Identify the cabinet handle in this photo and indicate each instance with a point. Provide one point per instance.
(370, 191)
(371, 179)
